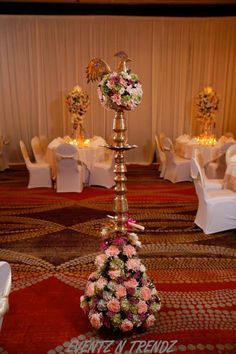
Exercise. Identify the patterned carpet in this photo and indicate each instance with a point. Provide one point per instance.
(51, 241)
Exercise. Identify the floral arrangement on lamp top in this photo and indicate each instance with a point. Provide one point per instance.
(77, 102)
(207, 104)
(119, 294)
(118, 90)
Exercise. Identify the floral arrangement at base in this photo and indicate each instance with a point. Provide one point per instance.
(207, 104)
(119, 295)
(77, 102)
(120, 91)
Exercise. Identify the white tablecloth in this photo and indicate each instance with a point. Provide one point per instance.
(209, 153)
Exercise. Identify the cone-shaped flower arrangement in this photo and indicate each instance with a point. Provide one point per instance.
(119, 295)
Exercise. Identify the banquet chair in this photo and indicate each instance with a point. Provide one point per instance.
(5, 287)
(216, 169)
(162, 157)
(230, 155)
(3, 158)
(39, 173)
(70, 175)
(102, 172)
(161, 137)
(197, 167)
(216, 207)
(44, 143)
(177, 168)
(37, 149)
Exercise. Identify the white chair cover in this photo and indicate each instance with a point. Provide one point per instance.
(39, 173)
(5, 287)
(102, 172)
(177, 168)
(216, 207)
(230, 155)
(162, 157)
(44, 143)
(38, 152)
(69, 171)
(197, 167)
(161, 137)
(217, 168)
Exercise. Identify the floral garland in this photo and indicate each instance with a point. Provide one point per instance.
(77, 102)
(119, 294)
(120, 91)
(207, 104)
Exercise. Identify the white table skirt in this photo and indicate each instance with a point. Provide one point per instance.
(209, 153)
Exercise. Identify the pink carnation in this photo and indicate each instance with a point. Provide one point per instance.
(120, 291)
(100, 260)
(126, 325)
(146, 293)
(133, 264)
(95, 320)
(129, 251)
(101, 282)
(116, 98)
(150, 321)
(114, 273)
(90, 289)
(142, 307)
(112, 251)
(131, 283)
(113, 305)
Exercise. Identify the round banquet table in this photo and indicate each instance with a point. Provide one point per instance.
(88, 155)
(209, 153)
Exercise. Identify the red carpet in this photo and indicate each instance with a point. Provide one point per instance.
(51, 241)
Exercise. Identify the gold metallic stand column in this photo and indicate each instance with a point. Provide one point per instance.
(120, 146)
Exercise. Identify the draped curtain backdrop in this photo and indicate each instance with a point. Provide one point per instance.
(43, 57)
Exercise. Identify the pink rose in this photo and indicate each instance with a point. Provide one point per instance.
(114, 273)
(129, 251)
(120, 291)
(100, 260)
(126, 326)
(101, 282)
(90, 289)
(150, 321)
(112, 251)
(131, 283)
(133, 264)
(113, 305)
(116, 98)
(146, 293)
(142, 307)
(83, 303)
(96, 320)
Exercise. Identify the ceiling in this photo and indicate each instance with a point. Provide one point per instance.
(175, 8)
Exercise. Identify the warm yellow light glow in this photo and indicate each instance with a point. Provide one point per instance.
(206, 140)
(86, 142)
(77, 142)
